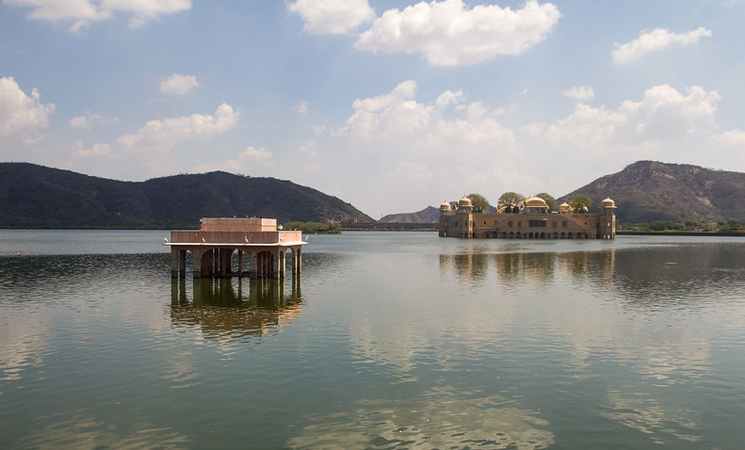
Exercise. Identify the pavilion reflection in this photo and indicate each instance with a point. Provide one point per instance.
(235, 308)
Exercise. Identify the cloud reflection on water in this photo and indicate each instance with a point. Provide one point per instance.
(78, 431)
(443, 417)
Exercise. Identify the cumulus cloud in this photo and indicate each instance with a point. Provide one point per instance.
(163, 134)
(655, 40)
(89, 120)
(100, 150)
(397, 115)
(247, 161)
(580, 92)
(302, 107)
(83, 12)
(448, 34)
(663, 113)
(332, 16)
(178, 84)
(730, 147)
(19, 111)
(732, 139)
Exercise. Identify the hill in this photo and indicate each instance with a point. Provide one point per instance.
(647, 191)
(429, 214)
(37, 196)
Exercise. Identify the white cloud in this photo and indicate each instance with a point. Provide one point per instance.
(178, 84)
(729, 147)
(332, 16)
(256, 155)
(18, 111)
(101, 150)
(397, 116)
(302, 107)
(247, 161)
(732, 139)
(90, 120)
(83, 12)
(163, 134)
(448, 34)
(655, 41)
(663, 114)
(580, 92)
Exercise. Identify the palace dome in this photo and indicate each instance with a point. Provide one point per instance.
(536, 202)
(608, 203)
(565, 208)
(465, 201)
(445, 207)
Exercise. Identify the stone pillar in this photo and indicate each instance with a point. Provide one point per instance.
(225, 261)
(278, 271)
(297, 259)
(182, 263)
(174, 263)
(196, 264)
(283, 263)
(253, 264)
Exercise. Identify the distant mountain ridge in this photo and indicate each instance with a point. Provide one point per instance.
(38, 196)
(646, 191)
(429, 214)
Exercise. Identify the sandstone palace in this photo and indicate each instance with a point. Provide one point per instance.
(531, 221)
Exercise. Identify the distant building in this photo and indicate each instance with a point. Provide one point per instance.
(533, 221)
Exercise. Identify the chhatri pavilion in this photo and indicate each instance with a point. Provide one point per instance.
(258, 241)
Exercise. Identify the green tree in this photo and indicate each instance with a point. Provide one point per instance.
(511, 198)
(480, 204)
(580, 203)
(550, 201)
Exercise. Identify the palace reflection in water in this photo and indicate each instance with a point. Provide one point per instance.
(531, 268)
(234, 308)
(656, 277)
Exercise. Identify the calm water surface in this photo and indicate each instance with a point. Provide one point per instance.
(389, 341)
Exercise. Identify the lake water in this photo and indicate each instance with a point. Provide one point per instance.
(388, 341)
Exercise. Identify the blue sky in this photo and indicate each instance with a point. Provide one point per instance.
(389, 105)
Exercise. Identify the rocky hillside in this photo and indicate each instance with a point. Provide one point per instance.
(37, 196)
(647, 191)
(429, 214)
